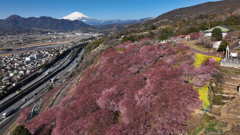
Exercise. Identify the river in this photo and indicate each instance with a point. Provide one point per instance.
(30, 49)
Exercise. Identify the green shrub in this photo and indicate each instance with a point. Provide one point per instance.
(217, 33)
(95, 44)
(127, 38)
(21, 130)
(141, 37)
(217, 100)
(166, 33)
(223, 45)
(50, 87)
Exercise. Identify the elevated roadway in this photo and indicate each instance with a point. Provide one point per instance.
(60, 70)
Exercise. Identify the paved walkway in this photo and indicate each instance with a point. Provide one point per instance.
(234, 44)
(196, 50)
(225, 116)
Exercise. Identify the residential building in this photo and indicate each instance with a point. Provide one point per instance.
(224, 30)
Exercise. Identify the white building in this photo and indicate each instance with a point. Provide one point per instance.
(224, 29)
(33, 57)
(234, 55)
(216, 44)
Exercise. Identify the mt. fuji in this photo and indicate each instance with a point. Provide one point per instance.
(81, 17)
(76, 16)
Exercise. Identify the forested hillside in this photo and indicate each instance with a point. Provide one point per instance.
(209, 8)
(194, 18)
(15, 24)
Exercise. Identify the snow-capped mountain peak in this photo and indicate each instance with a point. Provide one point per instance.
(76, 16)
(81, 17)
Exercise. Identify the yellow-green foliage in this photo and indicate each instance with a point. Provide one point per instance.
(121, 49)
(199, 59)
(95, 44)
(203, 95)
(203, 91)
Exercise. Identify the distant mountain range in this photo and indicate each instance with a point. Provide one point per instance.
(16, 22)
(76, 21)
(94, 22)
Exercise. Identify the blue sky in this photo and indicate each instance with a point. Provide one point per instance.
(96, 9)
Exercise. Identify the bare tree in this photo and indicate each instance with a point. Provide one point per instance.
(233, 36)
(145, 41)
(218, 78)
(206, 41)
(236, 13)
(171, 41)
(219, 18)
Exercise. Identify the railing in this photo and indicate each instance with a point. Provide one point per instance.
(212, 131)
(204, 111)
(231, 60)
(33, 111)
(236, 47)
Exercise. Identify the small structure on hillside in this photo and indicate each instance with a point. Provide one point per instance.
(216, 44)
(231, 59)
(179, 38)
(227, 53)
(234, 55)
(238, 89)
(224, 29)
(188, 37)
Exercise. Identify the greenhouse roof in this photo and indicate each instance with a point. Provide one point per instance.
(223, 29)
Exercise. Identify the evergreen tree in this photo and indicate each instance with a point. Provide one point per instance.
(140, 37)
(132, 38)
(232, 20)
(191, 30)
(217, 33)
(223, 45)
(21, 130)
(44, 66)
(151, 34)
(50, 87)
(167, 32)
(152, 27)
(125, 38)
(202, 26)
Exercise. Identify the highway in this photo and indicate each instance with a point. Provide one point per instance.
(34, 81)
(20, 104)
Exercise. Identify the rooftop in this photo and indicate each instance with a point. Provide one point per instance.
(222, 27)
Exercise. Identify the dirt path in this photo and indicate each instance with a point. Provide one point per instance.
(226, 108)
(201, 133)
(59, 94)
(62, 92)
(196, 50)
(234, 44)
(225, 115)
(72, 82)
